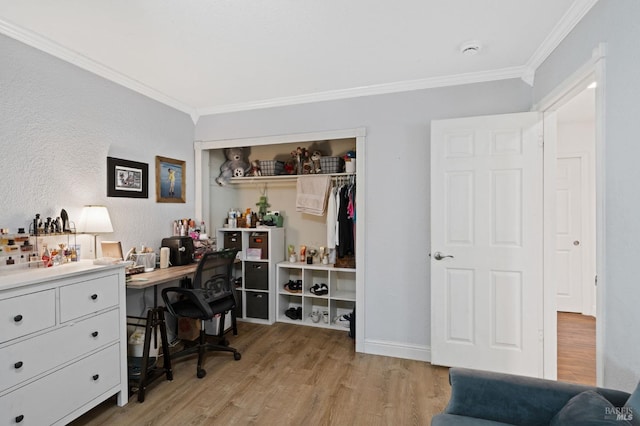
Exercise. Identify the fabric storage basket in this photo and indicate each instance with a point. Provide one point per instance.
(271, 167)
(331, 164)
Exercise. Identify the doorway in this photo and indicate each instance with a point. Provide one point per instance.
(575, 238)
(592, 71)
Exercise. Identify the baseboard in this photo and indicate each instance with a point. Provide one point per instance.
(398, 350)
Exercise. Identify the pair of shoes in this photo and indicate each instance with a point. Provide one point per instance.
(293, 287)
(344, 320)
(319, 289)
(325, 317)
(294, 313)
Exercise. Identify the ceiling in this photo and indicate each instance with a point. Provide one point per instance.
(212, 56)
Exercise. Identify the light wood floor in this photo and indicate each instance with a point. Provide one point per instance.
(576, 348)
(288, 375)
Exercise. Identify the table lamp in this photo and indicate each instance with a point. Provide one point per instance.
(95, 220)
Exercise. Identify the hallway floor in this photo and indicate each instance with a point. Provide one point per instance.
(576, 348)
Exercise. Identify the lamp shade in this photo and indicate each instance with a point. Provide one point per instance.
(95, 220)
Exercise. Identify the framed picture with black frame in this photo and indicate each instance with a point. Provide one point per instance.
(170, 180)
(127, 178)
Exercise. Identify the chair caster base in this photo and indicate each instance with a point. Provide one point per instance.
(237, 356)
(201, 373)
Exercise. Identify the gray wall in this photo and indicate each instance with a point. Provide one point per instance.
(397, 187)
(614, 22)
(59, 123)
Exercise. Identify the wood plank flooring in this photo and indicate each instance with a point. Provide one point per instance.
(576, 348)
(288, 375)
(293, 375)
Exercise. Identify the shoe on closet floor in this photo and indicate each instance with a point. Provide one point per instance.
(315, 316)
(344, 320)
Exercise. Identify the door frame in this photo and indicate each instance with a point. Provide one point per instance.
(203, 179)
(592, 70)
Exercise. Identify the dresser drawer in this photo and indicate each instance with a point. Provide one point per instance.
(86, 297)
(26, 314)
(24, 360)
(50, 399)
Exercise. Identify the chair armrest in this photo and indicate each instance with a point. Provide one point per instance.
(194, 295)
(514, 399)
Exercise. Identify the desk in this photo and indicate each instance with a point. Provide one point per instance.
(160, 276)
(155, 318)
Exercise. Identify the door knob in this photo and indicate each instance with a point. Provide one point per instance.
(576, 243)
(439, 256)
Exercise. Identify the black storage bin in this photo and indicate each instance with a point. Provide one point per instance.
(256, 275)
(260, 240)
(233, 240)
(257, 305)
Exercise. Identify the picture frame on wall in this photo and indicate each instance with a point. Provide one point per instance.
(127, 178)
(170, 180)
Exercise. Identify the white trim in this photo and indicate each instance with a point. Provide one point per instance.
(569, 20)
(398, 350)
(601, 220)
(49, 46)
(275, 139)
(376, 89)
(549, 288)
(202, 182)
(573, 84)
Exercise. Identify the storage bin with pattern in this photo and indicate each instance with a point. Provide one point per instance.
(271, 167)
(331, 164)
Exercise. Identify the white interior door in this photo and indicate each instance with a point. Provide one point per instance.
(569, 241)
(486, 243)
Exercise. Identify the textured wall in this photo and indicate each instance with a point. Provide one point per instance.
(58, 124)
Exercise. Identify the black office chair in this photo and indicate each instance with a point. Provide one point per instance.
(213, 293)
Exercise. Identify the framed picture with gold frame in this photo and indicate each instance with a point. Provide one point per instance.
(170, 180)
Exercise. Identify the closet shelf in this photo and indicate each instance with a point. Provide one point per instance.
(280, 178)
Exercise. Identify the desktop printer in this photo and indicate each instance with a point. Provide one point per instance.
(180, 250)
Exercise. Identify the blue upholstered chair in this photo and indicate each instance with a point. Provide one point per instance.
(486, 398)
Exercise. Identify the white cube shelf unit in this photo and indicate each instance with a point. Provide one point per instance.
(257, 292)
(340, 300)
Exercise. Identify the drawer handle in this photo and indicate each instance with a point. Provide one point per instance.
(17, 318)
(96, 376)
(94, 296)
(94, 334)
(19, 418)
(18, 365)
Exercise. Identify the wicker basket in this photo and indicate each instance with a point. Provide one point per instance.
(331, 164)
(271, 167)
(348, 261)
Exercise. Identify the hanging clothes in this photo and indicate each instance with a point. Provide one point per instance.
(332, 218)
(345, 233)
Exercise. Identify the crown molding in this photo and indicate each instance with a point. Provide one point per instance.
(575, 13)
(377, 89)
(49, 46)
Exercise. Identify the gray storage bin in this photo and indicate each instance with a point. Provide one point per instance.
(257, 305)
(256, 275)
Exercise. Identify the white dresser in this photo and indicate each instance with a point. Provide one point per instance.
(62, 342)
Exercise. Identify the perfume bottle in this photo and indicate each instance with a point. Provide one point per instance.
(46, 257)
